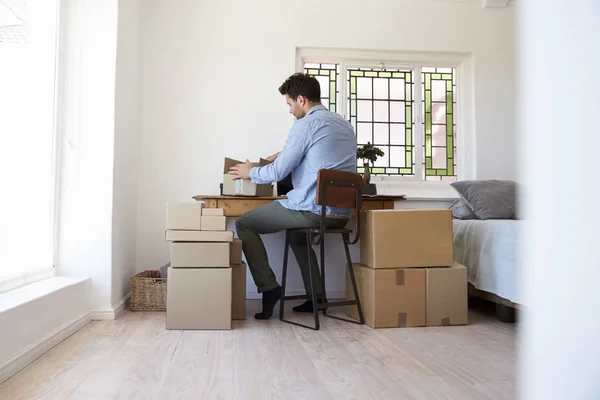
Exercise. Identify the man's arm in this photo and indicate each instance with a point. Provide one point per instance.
(294, 150)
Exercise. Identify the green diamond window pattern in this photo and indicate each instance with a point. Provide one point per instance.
(380, 108)
(439, 123)
(327, 75)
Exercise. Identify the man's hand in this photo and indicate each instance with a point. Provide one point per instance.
(272, 157)
(241, 171)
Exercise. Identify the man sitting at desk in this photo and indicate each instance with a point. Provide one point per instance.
(319, 139)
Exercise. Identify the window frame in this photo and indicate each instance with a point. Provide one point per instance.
(465, 140)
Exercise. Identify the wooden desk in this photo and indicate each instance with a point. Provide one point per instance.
(235, 206)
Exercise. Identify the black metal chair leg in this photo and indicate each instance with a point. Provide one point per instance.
(284, 274)
(322, 248)
(312, 282)
(346, 238)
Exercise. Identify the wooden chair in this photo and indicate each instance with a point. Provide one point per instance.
(334, 189)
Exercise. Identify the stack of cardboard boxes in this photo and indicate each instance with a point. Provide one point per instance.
(206, 282)
(407, 276)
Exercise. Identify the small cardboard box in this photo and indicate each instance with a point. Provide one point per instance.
(184, 216)
(244, 187)
(447, 296)
(235, 251)
(214, 223)
(199, 255)
(199, 236)
(238, 302)
(213, 212)
(390, 298)
(406, 238)
(199, 298)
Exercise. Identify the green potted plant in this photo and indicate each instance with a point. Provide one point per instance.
(369, 154)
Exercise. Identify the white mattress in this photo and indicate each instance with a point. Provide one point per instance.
(489, 251)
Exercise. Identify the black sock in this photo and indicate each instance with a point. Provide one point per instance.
(269, 299)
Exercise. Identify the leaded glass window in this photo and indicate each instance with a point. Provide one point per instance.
(328, 77)
(386, 109)
(439, 123)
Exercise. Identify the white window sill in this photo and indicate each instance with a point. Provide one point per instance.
(34, 291)
(15, 282)
(422, 191)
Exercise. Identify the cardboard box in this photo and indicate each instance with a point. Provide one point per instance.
(199, 255)
(199, 236)
(199, 298)
(184, 216)
(447, 296)
(213, 212)
(235, 251)
(406, 238)
(238, 287)
(244, 187)
(390, 298)
(214, 223)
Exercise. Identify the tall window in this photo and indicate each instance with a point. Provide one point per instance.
(409, 113)
(28, 57)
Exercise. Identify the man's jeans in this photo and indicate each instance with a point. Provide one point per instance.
(273, 217)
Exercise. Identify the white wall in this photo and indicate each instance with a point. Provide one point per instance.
(124, 218)
(209, 77)
(559, 346)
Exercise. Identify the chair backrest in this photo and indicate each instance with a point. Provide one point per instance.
(339, 189)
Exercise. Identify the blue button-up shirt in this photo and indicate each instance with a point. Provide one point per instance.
(320, 140)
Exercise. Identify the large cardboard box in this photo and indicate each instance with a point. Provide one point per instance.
(238, 287)
(406, 238)
(235, 251)
(199, 236)
(199, 298)
(214, 223)
(447, 296)
(244, 187)
(184, 216)
(199, 255)
(390, 298)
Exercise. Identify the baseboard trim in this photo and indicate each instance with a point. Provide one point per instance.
(109, 314)
(330, 295)
(13, 365)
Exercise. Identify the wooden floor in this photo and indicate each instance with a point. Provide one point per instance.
(134, 357)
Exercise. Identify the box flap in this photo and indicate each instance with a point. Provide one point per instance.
(230, 162)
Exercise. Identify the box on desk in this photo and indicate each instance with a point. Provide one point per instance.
(406, 238)
(244, 187)
(199, 298)
(184, 216)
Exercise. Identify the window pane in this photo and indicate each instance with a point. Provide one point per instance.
(397, 134)
(439, 123)
(397, 111)
(381, 134)
(365, 110)
(381, 112)
(28, 33)
(383, 161)
(397, 156)
(397, 89)
(364, 133)
(364, 88)
(380, 88)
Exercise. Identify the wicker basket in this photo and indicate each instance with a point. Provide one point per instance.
(148, 292)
